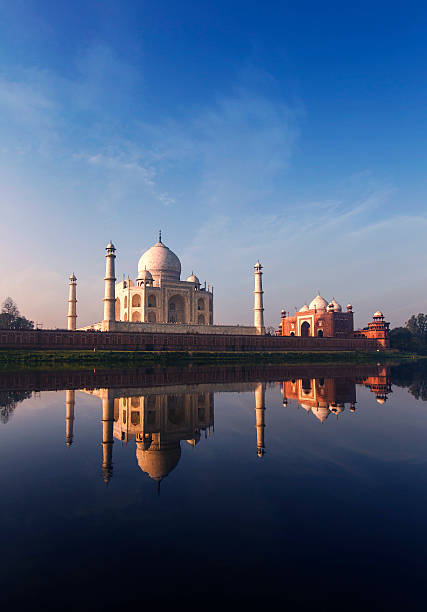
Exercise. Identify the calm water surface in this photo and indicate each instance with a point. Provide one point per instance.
(212, 486)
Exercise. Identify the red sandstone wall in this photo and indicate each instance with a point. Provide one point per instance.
(78, 340)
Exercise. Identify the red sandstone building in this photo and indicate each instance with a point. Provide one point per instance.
(324, 319)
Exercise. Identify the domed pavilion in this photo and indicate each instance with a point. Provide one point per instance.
(321, 318)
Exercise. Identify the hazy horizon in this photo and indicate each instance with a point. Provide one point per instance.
(291, 134)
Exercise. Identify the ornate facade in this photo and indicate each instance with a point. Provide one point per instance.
(324, 319)
(158, 295)
(321, 319)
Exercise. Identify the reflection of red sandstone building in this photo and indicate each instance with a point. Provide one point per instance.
(380, 384)
(321, 396)
(326, 396)
(327, 320)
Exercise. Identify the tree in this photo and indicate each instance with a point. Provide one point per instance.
(402, 339)
(10, 317)
(9, 401)
(417, 325)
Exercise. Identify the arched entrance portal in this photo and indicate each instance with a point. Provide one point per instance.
(305, 329)
(176, 310)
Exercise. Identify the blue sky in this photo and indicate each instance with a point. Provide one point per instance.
(294, 133)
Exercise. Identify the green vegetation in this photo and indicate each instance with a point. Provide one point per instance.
(10, 317)
(12, 359)
(412, 337)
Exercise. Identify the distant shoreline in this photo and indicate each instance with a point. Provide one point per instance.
(65, 359)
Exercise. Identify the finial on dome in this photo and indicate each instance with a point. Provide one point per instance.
(160, 235)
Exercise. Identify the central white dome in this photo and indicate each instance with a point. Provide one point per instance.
(161, 262)
(318, 303)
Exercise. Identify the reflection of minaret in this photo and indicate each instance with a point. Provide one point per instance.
(69, 416)
(107, 437)
(260, 424)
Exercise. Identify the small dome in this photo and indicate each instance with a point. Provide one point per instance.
(110, 245)
(318, 303)
(304, 308)
(193, 279)
(73, 278)
(349, 306)
(258, 265)
(145, 275)
(336, 306)
(378, 314)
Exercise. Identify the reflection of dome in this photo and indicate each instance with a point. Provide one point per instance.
(161, 262)
(321, 412)
(158, 462)
(318, 303)
(304, 308)
(381, 400)
(193, 279)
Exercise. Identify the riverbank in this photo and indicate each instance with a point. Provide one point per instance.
(72, 359)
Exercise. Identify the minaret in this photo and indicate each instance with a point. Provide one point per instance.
(107, 436)
(110, 284)
(69, 416)
(260, 422)
(258, 300)
(72, 301)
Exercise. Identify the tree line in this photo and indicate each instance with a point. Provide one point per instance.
(11, 318)
(412, 337)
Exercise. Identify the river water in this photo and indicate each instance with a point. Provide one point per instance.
(212, 486)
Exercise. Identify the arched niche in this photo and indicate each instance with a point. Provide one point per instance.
(136, 300)
(305, 329)
(176, 309)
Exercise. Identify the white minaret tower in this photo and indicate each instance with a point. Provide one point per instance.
(72, 302)
(110, 283)
(260, 421)
(258, 300)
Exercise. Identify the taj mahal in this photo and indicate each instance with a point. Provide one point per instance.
(159, 295)
(159, 301)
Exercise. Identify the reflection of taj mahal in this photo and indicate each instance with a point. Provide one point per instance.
(160, 418)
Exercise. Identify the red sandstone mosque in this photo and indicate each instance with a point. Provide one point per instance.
(324, 319)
